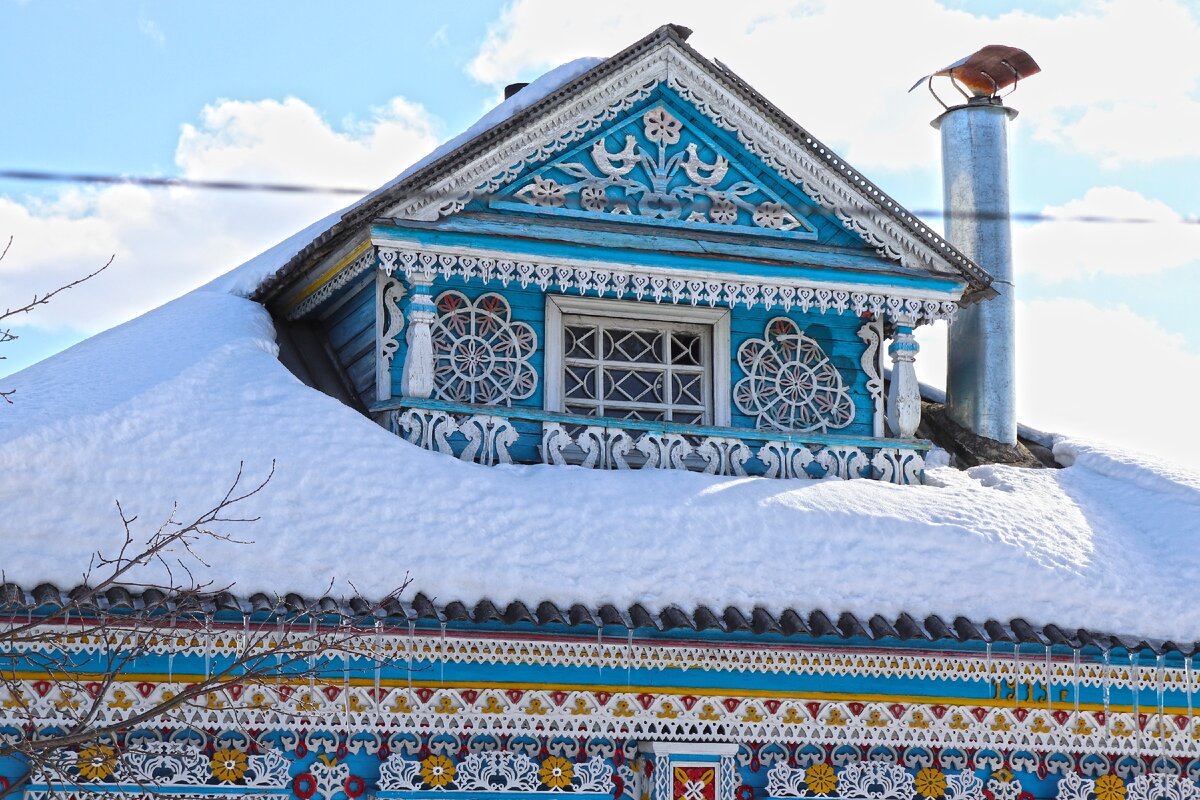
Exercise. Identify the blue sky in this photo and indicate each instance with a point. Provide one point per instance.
(349, 93)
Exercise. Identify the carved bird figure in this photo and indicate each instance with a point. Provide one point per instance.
(701, 173)
(616, 165)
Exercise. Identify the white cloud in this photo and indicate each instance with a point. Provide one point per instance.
(168, 241)
(1119, 79)
(1106, 374)
(149, 28)
(1062, 250)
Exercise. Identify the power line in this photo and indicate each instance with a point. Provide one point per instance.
(295, 188)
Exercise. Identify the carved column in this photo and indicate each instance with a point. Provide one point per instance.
(417, 380)
(904, 395)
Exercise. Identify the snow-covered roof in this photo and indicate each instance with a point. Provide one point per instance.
(163, 409)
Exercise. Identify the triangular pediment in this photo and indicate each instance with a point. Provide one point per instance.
(663, 164)
(603, 146)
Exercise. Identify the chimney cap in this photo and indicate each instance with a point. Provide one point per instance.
(986, 72)
(513, 88)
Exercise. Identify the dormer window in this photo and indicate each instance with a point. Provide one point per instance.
(623, 360)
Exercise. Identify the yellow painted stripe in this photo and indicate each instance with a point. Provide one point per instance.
(844, 697)
(328, 275)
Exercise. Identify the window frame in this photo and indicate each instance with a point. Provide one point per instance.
(715, 319)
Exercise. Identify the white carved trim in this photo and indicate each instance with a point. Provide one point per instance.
(488, 437)
(674, 286)
(872, 363)
(717, 319)
(344, 276)
(829, 181)
(904, 393)
(389, 322)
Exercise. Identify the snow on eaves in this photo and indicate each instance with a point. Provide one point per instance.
(164, 408)
(248, 277)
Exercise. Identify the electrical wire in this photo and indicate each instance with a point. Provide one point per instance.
(295, 188)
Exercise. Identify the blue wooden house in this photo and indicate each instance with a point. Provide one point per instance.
(647, 266)
(635, 263)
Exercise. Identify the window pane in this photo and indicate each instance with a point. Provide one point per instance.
(579, 342)
(580, 383)
(585, 411)
(633, 385)
(687, 417)
(685, 349)
(643, 347)
(687, 389)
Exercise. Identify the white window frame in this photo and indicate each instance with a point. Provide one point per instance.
(717, 319)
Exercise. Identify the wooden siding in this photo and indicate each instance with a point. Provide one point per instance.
(836, 334)
(350, 330)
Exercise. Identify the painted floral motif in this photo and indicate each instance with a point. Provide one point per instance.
(930, 783)
(229, 765)
(556, 772)
(480, 355)
(1110, 787)
(820, 778)
(437, 771)
(661, 176)
(790, 383)
(96, 762)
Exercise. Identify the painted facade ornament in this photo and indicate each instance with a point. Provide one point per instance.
(389, 322)
(417, 378)
(890, 780)
(904, 394)
(658, 172)
(676, 286)
(496, 771)
(871, 334)
(480, 354)
(790, 384)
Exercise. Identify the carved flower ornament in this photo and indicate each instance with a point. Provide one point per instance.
(820, 778)
(557, 772)
(96, 762)
(437, 771)
(480, 355)
(228, 764)
(790, 383)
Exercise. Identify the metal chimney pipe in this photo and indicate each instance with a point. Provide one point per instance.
(981, 364)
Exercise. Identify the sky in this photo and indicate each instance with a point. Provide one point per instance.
(349, 94)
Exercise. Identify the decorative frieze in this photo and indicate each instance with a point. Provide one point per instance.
(677, 286)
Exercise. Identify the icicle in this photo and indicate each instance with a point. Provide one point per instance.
(378, 659)
(628, 656)
(1162, 738)
(442, 656)
(1136, 683)
(1107, 686)
(1075, 680)
(1049, 682)
(987, 668)
(600, 650)
(1187, 677)
(1017, 675)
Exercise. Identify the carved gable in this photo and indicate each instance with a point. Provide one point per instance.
(658, 165)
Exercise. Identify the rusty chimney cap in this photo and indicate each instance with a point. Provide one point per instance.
(513, 88)
(986, 72)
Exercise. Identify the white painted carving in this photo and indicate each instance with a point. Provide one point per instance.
(594, 775)
(344, 277)
(904, 395)
(964, 785)
(872, 336)
(797, 157)
(389, 322)
(488, 437)
(480, 354)
(1157, 786)
(875, 780)
(785, 781)
(674, 182)
(898, 465)
(497, 771)
(417, 380)
(790, 384)
(842, 462)
(680, 287)
(399, 774)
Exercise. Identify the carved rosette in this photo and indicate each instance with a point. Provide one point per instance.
(790, 384)
(480, 354)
